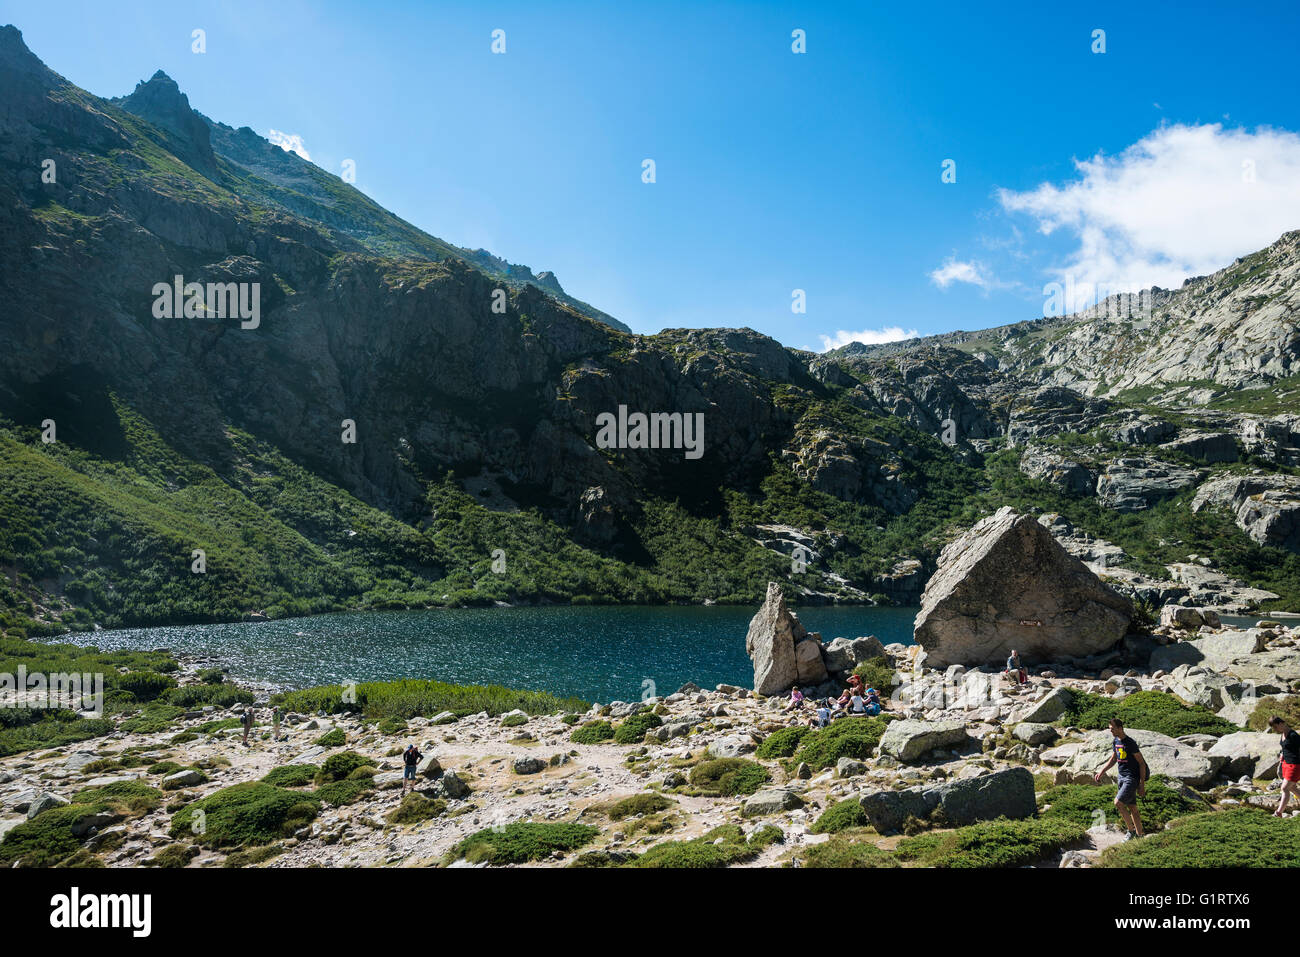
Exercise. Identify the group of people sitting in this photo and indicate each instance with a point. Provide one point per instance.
(856, 699)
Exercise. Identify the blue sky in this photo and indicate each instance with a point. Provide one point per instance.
(775, 171)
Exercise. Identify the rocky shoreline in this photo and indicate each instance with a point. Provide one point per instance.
(965, 741)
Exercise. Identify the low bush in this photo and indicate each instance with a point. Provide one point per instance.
(291, 775)
(848, 850)
(410, 698)
(173, 855)
(877, 674)
(718, 848)
(254, 855)
(633, 729)
(521, 842)
(339, 766)
(783, 743)
(593, 732)
(1146, 711)
(645, 803)
(728, 777)
(844, 738)
(1090, 804)
(47, 839)
(1240, 837)
(245, 814)
(1287, 708)
(416, 808)
(1000, 843)
(334, 738)
(840, 817)
(340, 793)
(132, 797)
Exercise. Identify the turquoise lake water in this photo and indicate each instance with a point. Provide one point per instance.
(597, 653)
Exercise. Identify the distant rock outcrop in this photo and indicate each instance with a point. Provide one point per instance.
(783, 651)
(1007, 584)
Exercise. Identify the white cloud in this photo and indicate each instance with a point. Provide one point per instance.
(954, 270)
(868, 337)
(290, 143)
(1182, 201)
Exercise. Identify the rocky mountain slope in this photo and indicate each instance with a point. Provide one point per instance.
(473, 390)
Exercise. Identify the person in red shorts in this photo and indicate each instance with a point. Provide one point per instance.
(1290, 770)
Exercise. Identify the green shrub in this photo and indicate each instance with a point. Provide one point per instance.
(46, 729)
(334, 738)
(1146, 711)
(842, 850)
(348, 791)
(391, 725)
(841, 816)
(845, 738)
(1240, 837)
(339, 766)
(212, 676)
(144, 685)
(245, 814)
(1079, 803)
(221, 724)
(633, 729)
(1287, 708)
(154, 718)
(645, 803)
(728, 777)
(173, 855)
(46, 839)
(416, 808)
(164, 767)
(185, 737)
(254, 855)
(765, 835)
(593, 732)
(291, 775)
(135, 797)
(1000, 843)
(718, 848)
(783, 743)
(514, 720)
(876, 673)
(221, 696)
(521, 842)
(410, 697)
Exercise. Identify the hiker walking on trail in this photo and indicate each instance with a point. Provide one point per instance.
(1132, 771)
(275, 724)
(1289, 771)
(410, 761)
(248, 724)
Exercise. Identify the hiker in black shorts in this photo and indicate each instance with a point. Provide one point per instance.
(410, 761)
(1132, 773)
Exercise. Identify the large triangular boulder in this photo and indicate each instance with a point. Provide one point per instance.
(773, 634)
(1008, 584)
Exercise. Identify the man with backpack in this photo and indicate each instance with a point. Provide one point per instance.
(1133, 773)
(410, 762)
(248, 724)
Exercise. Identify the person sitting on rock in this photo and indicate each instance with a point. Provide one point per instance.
(825, 713)
(874, 707)
(796, 699)
(1014, 671)
(1289, 770)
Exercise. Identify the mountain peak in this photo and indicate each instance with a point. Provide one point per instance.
(14, 54)
(160, 101)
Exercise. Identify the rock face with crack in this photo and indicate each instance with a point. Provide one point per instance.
(1266, 507)
(1007, 584)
